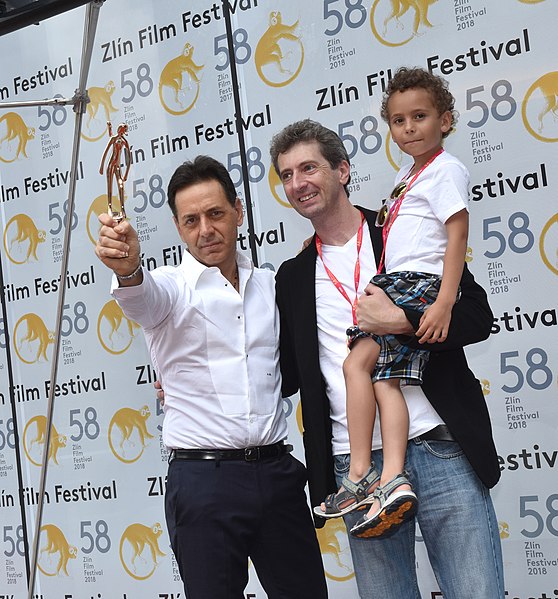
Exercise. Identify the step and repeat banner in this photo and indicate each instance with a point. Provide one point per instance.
(164, 68)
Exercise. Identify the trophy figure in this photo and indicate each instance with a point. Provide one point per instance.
(118, 144)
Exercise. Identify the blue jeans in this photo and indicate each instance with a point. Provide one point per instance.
(457, 522)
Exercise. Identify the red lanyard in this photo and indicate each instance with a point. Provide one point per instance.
(335, 280)
(394, 210)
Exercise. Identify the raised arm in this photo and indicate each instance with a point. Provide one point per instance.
(118, 248)
(435, 322)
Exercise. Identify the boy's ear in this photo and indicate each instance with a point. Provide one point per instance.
(446, 121)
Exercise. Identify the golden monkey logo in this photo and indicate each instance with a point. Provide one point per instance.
(99, 111)
(469, 254)
(179, 84)
(98, 206)
(485, 386)
(32, 338)
(21, 239)
(34, 437)
(276, 187)
(127, 433)
(279, 53)
(548, 244)
(397, 22)
(55, 552)
(14, 135)
(336, 553)
(114, 329)
(139, 549)
(539, 109)
(504, 530)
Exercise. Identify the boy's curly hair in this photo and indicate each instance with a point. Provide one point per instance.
(411, 78)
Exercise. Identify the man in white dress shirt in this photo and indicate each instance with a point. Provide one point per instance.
(233, 489)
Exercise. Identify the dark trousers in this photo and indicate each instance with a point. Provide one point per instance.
(219, 514)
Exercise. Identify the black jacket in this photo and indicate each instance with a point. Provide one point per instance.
(449, 385)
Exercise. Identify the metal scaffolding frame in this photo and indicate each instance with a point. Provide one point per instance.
(79, 102)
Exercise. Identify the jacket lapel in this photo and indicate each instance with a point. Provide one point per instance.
(375, 232)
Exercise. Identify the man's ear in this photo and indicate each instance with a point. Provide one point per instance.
(239, 211)
(344, 172)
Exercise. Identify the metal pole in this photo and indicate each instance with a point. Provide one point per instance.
(240, 132)
(80, 102)
(23, 104)
(51, 102)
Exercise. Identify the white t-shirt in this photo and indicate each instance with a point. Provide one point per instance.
(418, 239)
(334, 315)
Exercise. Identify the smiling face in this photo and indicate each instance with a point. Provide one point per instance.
(311, 185)
(415, 125)
(208, 223)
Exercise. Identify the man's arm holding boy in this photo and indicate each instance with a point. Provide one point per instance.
(471, 320)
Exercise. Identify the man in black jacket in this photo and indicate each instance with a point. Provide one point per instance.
(451, 458)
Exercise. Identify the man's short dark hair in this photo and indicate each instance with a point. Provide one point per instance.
(307, 131)
(202, 168)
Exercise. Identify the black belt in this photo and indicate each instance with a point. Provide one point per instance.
(439, 433)
(249, 454)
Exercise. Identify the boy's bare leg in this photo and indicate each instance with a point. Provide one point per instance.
(394, 424)
(361, 403)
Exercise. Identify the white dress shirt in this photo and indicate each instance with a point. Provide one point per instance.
(216, 353)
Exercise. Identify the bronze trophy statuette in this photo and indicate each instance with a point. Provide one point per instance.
(118, 144)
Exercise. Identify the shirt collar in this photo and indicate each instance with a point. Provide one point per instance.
(192, 269)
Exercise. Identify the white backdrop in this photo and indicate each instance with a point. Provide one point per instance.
(103, 527)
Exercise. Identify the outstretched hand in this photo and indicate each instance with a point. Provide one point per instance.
(118, 245)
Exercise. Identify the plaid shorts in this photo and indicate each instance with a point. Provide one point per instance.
(413, 291)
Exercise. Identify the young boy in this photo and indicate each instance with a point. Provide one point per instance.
(425, 226)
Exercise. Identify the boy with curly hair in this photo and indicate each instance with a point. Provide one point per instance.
(425, 227)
